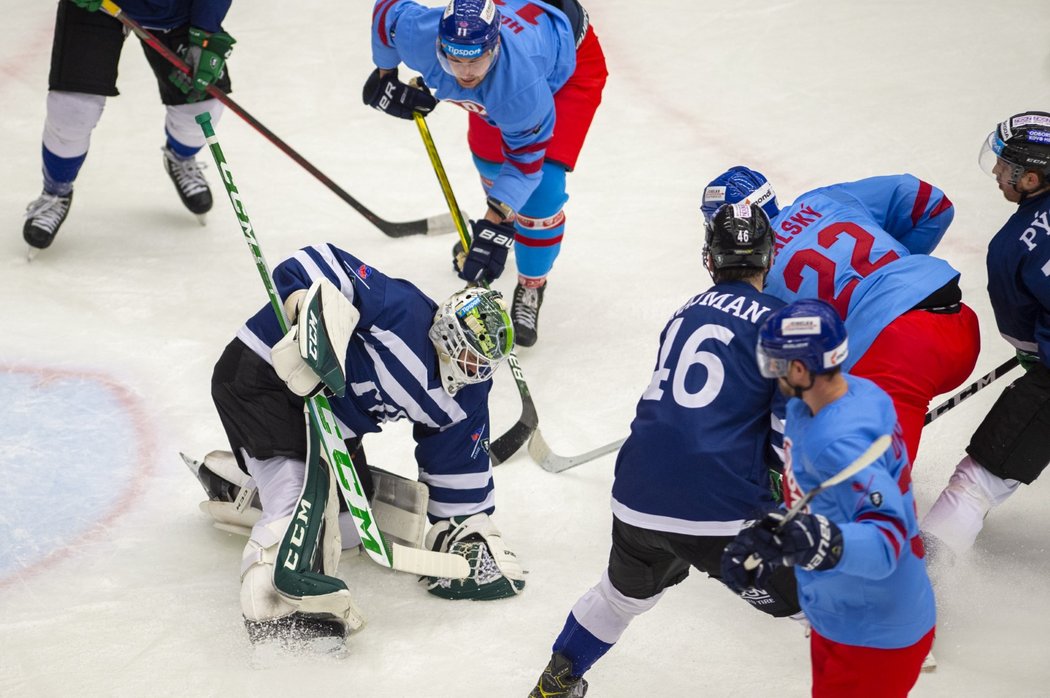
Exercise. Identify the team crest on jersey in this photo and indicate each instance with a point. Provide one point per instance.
(472, 107)
(364, 271)
(480, 443)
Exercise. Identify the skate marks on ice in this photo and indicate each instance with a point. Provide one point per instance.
(74, 452)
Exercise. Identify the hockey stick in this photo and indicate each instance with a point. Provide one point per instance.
(509, 443)
(436, 225)
(552, 462)
(324, 426)
(872, 454)
(972, 388)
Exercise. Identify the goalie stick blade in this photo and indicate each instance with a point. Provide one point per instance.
(551, 462)
(429, 563)
(510, 443)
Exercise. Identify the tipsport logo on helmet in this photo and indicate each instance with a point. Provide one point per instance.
(467, 30)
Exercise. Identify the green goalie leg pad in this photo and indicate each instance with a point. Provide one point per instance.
(298, 556)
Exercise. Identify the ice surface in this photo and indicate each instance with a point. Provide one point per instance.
(130, 592)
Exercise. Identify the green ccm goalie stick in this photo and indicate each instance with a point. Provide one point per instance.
(435, 225)
(323, 427)
(511, 442)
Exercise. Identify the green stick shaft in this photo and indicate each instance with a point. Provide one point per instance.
(321, 417)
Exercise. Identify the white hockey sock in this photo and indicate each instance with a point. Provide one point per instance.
(606, 613)
(958, 514)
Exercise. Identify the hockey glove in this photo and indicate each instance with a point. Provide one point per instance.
(89, 5)
(313, 353)
(753, 539)
(388, 94)
(809, 541)
(488, 251)
(206, 57)
(1027, 359)
(495, 572)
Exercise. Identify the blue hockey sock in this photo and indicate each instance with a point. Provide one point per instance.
(180, 149)
(59, 172)
(581, 647)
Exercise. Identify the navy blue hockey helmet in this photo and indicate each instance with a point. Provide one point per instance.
(738, 236)
(808, 330)
(739, 185)
(469, 28)
(1022, 141)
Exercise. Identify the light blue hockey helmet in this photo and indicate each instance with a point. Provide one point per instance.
(808, 330)
(739, 185)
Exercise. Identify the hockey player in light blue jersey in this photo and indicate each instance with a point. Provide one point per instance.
(405, 357)
(697, 463)
(864, 247)
(530, 75)
(855, 547)
(1011, 446)
(85, 52)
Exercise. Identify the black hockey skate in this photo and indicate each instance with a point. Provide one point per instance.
(189, 182)
(43, 219)
(557, 680)
(525, 312)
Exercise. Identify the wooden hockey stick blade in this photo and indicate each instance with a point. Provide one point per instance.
(429, 563)
(551, 462)
(870, 455)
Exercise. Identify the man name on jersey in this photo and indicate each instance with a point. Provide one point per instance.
(735, 307)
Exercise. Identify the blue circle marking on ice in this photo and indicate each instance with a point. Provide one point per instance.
(69, 445)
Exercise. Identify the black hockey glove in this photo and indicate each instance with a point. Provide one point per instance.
(1027, 359)
(753, 539)
(488, 251)
(810, 541)
(390, 95)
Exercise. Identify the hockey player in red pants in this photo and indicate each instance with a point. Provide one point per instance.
(530, 75)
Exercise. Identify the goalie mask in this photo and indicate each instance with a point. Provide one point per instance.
(473, 335)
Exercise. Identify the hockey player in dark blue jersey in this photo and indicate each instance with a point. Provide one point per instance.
(530, 76)
(696, 466)
(404, 357)
(1011, 446)
(855, 547)
(84, 56)
(865, 247)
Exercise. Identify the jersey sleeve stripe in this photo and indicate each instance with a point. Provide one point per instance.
(381, 25)
(921, 199)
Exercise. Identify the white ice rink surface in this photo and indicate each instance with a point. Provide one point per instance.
(111, 580)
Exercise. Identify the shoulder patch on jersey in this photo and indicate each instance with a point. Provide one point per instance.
(876, 499)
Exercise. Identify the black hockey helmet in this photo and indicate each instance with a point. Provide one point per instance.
(1023, 141)
(738, 236)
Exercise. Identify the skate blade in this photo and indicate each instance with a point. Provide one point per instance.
(31, 252)
(202, 219)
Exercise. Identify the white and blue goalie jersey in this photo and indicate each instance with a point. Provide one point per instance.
(709, 427)
(392, 374)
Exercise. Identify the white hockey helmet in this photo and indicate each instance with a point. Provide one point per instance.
(473, 335)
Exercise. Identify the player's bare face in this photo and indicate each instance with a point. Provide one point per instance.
(469, 72)
(1004, 177)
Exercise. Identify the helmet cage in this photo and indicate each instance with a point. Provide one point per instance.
(473, 335)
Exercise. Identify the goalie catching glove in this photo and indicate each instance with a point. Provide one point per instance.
(495, 572)
(313, 352)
